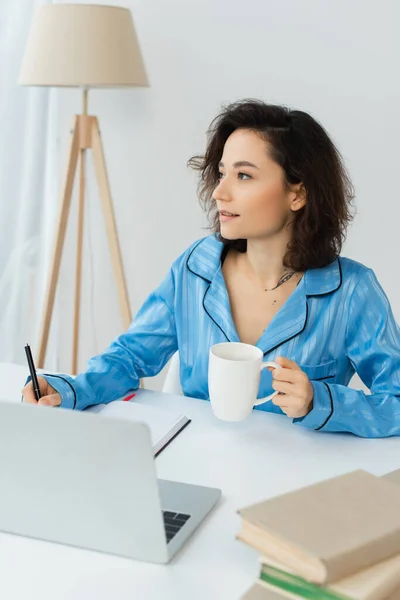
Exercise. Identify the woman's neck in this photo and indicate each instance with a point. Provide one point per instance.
(264, 259)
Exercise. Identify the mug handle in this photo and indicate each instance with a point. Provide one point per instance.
(264, 365)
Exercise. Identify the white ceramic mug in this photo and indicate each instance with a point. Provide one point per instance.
(234, 373)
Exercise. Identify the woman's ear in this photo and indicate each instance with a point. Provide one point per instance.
(300, 197)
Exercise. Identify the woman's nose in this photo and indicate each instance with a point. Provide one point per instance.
(221, 192)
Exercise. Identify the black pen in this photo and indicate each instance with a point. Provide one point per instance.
(32, 371)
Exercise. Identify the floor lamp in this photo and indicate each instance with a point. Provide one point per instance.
(84, 46)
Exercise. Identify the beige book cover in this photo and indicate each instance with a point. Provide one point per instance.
(375, 583)
(259, 592)
(393, 476)
(329, 530)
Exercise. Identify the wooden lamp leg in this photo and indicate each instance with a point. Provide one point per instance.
(59, 242)
(78, 271)
(111, 229)
(85, 142)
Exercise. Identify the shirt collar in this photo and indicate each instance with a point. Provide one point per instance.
(205, 260)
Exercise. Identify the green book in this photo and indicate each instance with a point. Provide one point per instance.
(297, 587)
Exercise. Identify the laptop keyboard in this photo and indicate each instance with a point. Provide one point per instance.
(173, 522)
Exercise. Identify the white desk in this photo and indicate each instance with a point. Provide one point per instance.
(261, 457)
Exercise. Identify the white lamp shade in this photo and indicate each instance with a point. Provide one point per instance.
(81, 45)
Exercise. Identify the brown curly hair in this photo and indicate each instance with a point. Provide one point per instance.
(304, 150)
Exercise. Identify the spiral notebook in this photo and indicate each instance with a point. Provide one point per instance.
(164, 426)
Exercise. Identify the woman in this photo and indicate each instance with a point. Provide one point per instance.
(269, 275)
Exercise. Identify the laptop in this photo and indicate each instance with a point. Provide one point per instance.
(77, 479)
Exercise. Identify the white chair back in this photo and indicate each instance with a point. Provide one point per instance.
(172, 382)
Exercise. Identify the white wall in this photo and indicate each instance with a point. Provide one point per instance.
(336, 59)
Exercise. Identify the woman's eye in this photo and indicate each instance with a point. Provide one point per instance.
(242, 176)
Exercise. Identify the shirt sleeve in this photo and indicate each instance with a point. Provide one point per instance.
(373, 347)
(142, 351)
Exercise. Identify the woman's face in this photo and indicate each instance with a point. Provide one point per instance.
(252, 187)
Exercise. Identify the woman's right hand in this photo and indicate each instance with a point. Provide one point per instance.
(49, 396)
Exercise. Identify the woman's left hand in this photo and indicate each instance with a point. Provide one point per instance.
(297, 392)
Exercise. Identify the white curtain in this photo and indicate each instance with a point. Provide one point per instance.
(28, 190)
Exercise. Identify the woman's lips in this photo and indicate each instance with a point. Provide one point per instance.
(224, 218)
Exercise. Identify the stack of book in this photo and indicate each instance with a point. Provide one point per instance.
(335, 540)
